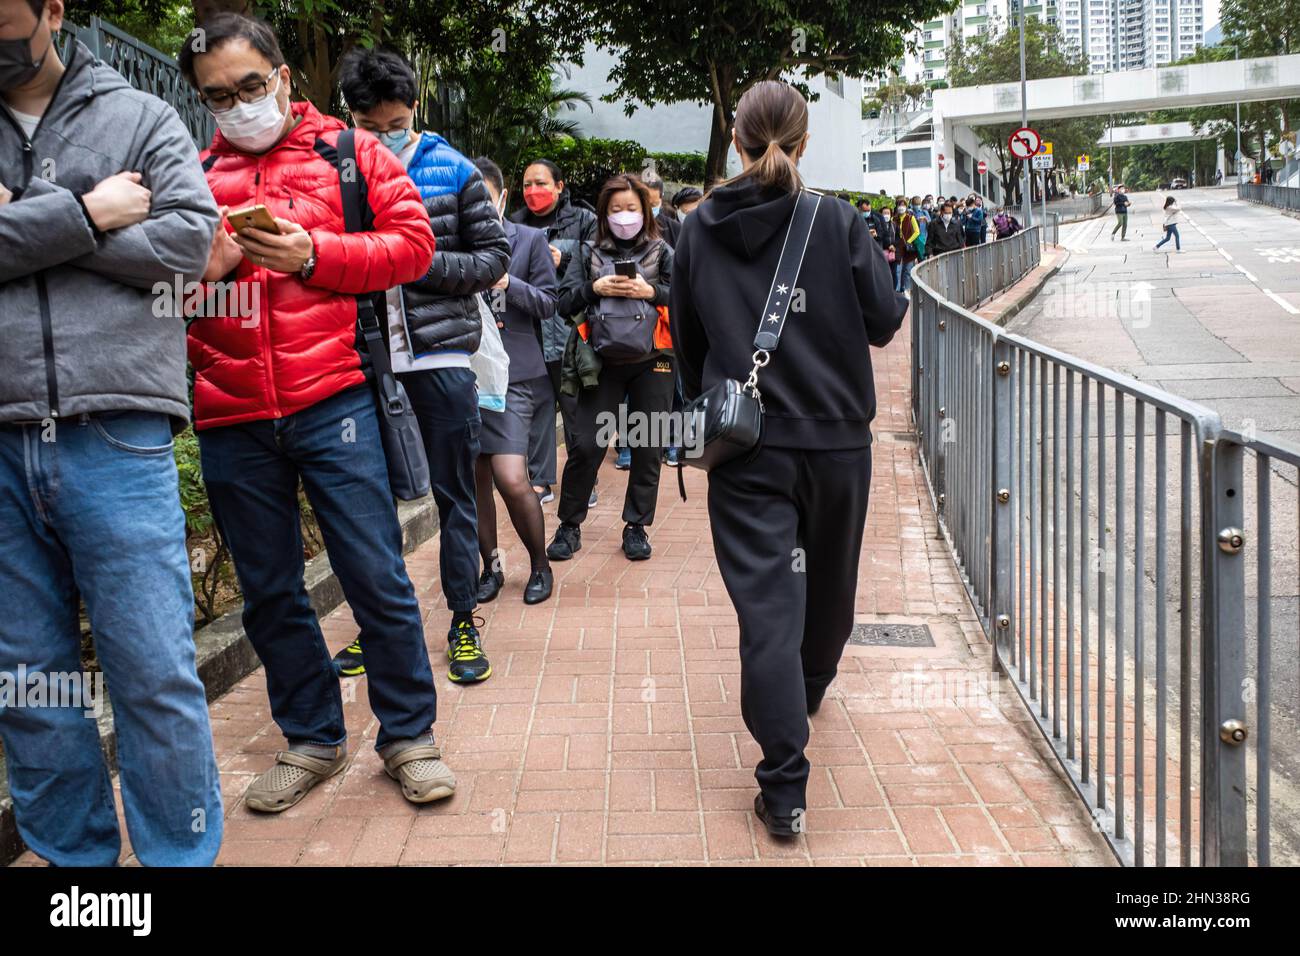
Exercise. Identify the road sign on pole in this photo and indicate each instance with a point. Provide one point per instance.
(1083, 163)
(943, 163)
(1024, 142)
(983, 167)
(1043, 161)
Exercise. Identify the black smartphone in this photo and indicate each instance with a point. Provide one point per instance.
(625, 268)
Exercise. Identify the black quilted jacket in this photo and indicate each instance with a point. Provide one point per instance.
(472, 251)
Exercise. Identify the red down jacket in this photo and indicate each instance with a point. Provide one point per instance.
(300, 350)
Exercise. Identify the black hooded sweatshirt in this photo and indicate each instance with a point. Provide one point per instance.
(818, 390)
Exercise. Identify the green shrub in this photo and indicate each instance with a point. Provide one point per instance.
(680, 167)
(588, 163)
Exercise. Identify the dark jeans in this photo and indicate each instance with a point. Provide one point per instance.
(648, 386)
(787, 531)
(446, 403)
(252, 472)
(1171, 232)
(92, 508)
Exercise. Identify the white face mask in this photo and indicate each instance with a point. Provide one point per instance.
(947, 218)
(253, 127)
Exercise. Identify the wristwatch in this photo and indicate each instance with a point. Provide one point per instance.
(308, 267)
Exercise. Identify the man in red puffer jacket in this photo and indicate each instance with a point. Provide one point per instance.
(279, 398)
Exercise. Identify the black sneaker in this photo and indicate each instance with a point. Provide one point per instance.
(489, 585)
(636, 545)
(348, 662)
(545, 495)
(469, 664)
(591, 502)
(567, 541)
(783, 827)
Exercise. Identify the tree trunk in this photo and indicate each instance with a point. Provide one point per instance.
(715, 168)
(722, 90)
(203, 9)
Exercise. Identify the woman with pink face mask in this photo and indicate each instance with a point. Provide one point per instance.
(611, 294)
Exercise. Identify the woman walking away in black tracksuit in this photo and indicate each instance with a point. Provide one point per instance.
(611, 293)
(788, 520)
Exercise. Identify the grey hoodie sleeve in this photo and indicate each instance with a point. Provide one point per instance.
(43, 228)
(177, 236)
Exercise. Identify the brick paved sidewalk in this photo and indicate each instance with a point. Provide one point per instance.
(610, 731)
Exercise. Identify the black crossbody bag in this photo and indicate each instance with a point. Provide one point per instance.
(727, 420)
(408, 465)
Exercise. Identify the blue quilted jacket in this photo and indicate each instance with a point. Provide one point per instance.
(472, 250)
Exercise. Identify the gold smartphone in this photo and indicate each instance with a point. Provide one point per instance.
(254, 217)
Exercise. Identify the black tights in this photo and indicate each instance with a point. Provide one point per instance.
(510, 473)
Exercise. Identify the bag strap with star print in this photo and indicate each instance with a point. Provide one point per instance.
(785, 281)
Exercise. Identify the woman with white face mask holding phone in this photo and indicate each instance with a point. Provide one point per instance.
(611, 294)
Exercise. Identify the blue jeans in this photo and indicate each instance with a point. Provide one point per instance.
(1171, 231)
(252, 472)
(93, 507)
(904, 276)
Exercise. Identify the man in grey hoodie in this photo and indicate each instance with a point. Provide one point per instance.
(102, 199)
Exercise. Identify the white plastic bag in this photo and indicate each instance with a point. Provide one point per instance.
(490, 363)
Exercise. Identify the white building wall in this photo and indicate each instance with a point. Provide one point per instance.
(834, 123)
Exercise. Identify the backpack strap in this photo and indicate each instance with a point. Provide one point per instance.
(358, 217)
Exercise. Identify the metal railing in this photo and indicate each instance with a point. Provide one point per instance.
(1105, 531)
(1079, 207)
(1283, 197)
(146, 69)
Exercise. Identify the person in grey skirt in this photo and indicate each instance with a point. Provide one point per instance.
(523, 299)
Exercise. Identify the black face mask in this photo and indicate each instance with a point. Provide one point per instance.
(17, 68)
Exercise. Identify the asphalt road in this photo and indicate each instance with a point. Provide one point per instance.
(1217, 323)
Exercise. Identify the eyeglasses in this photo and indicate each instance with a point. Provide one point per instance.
(248, 93)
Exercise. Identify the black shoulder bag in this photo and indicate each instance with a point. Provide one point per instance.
(727, 420)
(408, 465)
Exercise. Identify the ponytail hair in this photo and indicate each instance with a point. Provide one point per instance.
(771, 123)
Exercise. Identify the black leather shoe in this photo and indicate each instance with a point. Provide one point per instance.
(489, 585)
(567, 541)
(539, 587)
(782, 827)
(636, 545)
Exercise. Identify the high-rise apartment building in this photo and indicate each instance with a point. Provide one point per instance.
(1113, 35)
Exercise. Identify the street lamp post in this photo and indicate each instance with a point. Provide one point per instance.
(1027, 200)
(1236, 55)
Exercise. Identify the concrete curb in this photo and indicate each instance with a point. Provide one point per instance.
(1023, 297)
(224, 655)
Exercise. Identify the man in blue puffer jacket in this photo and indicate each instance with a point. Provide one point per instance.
(434, 326)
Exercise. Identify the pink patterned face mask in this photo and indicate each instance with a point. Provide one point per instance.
(625, 225)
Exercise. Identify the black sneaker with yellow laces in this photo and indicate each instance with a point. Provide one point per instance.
(469, 665)
(348, 662)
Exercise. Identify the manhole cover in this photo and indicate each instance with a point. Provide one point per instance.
(892, 635)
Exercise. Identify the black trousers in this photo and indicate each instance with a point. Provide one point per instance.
(787, 530)
(541, 434)
(649, 388)
(446, 404)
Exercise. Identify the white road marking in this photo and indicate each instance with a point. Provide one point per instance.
(1282, 302)
(1226, 254)
(1244, 271)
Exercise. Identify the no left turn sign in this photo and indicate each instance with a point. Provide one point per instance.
(1024, 143)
